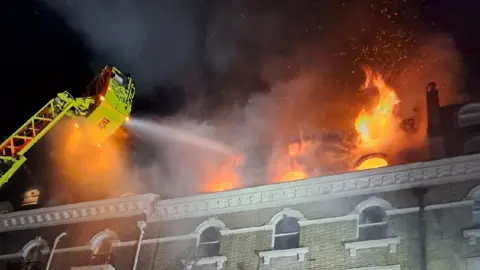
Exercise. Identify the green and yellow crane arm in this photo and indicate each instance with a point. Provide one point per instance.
(105, 111)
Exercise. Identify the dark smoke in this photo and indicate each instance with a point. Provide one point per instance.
(153, 40)
(227, 44)
(264, 69)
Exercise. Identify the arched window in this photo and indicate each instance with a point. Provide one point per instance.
(32, 254)
(472, 145)
(287, 234)
(372, 223)
(6, 207)
(474, 195)
(209, 242)
(476, 212)
(102, 247)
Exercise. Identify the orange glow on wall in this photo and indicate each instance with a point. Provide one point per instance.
(372, 163)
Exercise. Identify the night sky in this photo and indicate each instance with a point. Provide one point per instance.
(45, 51)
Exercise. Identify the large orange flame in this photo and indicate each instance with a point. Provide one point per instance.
(93, 171)
(372, 124)
(225, 177)
(293, 170)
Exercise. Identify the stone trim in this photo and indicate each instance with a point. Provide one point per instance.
(372, 201)
(323, 188)
(80, 212)
(391, 243)
(299, 252)
(217, 260)
(472, 262)
(38, 241)
(286, 212)
(226, 231)
(474, 193)
(466, 117)
(211, 222)
(309, 190)
(98, 238)
(471, 235)
(94, 267)
(386, 267)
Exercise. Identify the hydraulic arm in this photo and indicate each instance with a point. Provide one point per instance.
(105, 111)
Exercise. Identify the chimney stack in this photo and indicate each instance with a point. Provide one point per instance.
(433, 111)
(434, 128)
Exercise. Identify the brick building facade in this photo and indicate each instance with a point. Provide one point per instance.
(398, 217)
(416, 216)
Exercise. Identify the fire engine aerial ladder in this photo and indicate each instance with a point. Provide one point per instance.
(106, 108)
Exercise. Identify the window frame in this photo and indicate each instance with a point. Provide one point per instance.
(277, 235)
(215, 242)
(382, 224)
(96, 242)
(476, 212)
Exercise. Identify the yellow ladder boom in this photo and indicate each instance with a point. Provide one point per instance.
(106, 111)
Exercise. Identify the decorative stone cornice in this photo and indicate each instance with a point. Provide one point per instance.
(385, 267)
(323, 188)
(94, 267)
(74, 213)
(275, 195)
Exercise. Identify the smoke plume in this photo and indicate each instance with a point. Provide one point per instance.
(266, 71)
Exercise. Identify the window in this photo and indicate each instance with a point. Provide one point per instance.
(472, 145)
(474, 195)
(287, 234)
(476, 213)
(209, 244)
(372, 224)
(31, 197)
(102, 247)
(6, 207)
(32, 258)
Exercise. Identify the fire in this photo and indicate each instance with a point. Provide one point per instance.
(291, 169)
(224, 178)
(93, 171)
(372, 124)
(293, 175)
(219, 185)
(372, 163)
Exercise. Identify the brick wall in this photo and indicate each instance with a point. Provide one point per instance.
(446, 247)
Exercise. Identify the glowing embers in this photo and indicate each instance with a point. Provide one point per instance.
(372, 161)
